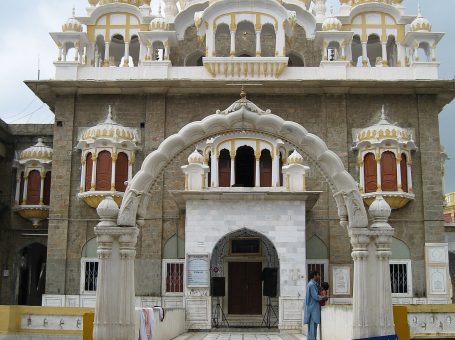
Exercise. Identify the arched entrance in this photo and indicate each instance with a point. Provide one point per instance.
(243, 258)
(244, 167)
(31, 274)
(368, 314)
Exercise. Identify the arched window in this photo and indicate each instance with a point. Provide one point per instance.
(392, 51)
(268, 41)
(21, 189)
(103, 171)
(404, 172)
(265, 166)
(374, 49)
(281, 169)
(222, 41)
(88, 171)
(33, 187)
(89, 267)
(245, 39)
(245, 162)
(400, 268)
(317, 256)
(121, 172)
(134, 50)
(158, 49)
(116, 49)
(424, 52)
(370, 173)
(224, 168)
(388, 171)
(209, 175)
(47, 189)
(100, 48)
(356, 51)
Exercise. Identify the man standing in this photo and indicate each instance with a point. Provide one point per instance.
(312, 312)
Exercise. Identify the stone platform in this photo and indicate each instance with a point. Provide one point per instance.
(241, 334)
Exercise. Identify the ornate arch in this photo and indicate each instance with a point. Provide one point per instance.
(243, 115)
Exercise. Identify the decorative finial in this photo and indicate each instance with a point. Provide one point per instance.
(242, 92)
(159, 9)
(40, 140)
(109, 114)
(74, 11)
(419, 11)
(331, 11)
(383, 112)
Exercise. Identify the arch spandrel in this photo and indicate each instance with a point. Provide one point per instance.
(247, 117)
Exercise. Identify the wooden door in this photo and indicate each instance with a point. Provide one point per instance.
(265, 166)
(121, 172)
(34, 188)
(103, 171)
(224, 169)
(370, 173)
(389, 172)
(245, 288)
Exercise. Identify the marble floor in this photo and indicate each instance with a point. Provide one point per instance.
(243, 334)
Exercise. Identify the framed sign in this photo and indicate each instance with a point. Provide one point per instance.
(198, 273)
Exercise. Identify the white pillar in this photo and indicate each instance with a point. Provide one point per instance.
(41, 190)
(232, 43)
(258, 43)
(130, 170)
(409, 176)
(232, 171)
(60, 52)
(362, 176)
(18, 188)
(433, 54)
(24, 195)
(114, 161)
(214, 170)
(166, 50)
(93, 183)
(115, 297)
(378, 172)
(76, 53)
(65, 53)
(126, 57)
(385, 62)
(257, 179)
(150, 51)
(276, 170)
(401, 55)
(364, 54)
(106, 54)
(83, 172)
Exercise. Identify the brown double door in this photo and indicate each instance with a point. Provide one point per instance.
(244, 288)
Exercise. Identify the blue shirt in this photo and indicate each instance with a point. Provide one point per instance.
(312, 310)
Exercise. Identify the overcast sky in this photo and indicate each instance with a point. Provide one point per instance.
(25, 27)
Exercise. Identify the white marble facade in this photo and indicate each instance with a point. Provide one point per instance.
(281, 222)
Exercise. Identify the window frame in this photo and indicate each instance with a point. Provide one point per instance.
(325, 262)
(165, 262)
(408, 278)
(84, 260)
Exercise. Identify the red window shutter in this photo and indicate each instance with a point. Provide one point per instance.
(369, 171)
(265, 167)
(21, 189)
(388, 172)
(224, 168)
(33, 188)
(88, 171)
(47, 189)
(404, 172)
(121, 172)
(103, 171)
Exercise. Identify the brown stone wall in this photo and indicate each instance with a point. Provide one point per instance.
(331, 117)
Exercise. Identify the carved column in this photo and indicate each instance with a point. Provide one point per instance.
(18, 199)
(93, 183)
(24, 194)
(114, 313)
(41, 191)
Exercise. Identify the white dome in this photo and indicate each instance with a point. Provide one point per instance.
(109, 129)
(295, 158)
(72, 25)
(331, 24)
(195, 158)
(38, 152)
(421, 24)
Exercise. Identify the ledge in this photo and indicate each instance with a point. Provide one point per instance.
(396, 200)
(245, 194)
(94, 198)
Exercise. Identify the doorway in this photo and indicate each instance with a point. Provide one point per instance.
(244, 166)
(245, 288)
(32, 274)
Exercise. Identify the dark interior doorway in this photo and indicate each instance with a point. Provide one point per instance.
(244, 166)
(32, 274)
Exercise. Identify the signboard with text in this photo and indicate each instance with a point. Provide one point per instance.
(198, 274)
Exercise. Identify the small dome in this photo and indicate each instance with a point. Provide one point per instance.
(195, 158)
(295, 158)
(158, 24)
(331, 23)
(109, 129)
(72, 24)
(38, 152)
(420, 24)
(384, 130)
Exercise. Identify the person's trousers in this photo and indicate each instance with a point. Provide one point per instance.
(312, 330)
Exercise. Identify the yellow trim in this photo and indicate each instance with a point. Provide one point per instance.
(232, 15)
(249, 139)
(107, 27)
(383, 26)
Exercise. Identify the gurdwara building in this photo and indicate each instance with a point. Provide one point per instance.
(247, 192)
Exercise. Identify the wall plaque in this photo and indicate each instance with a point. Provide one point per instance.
(198, 274)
